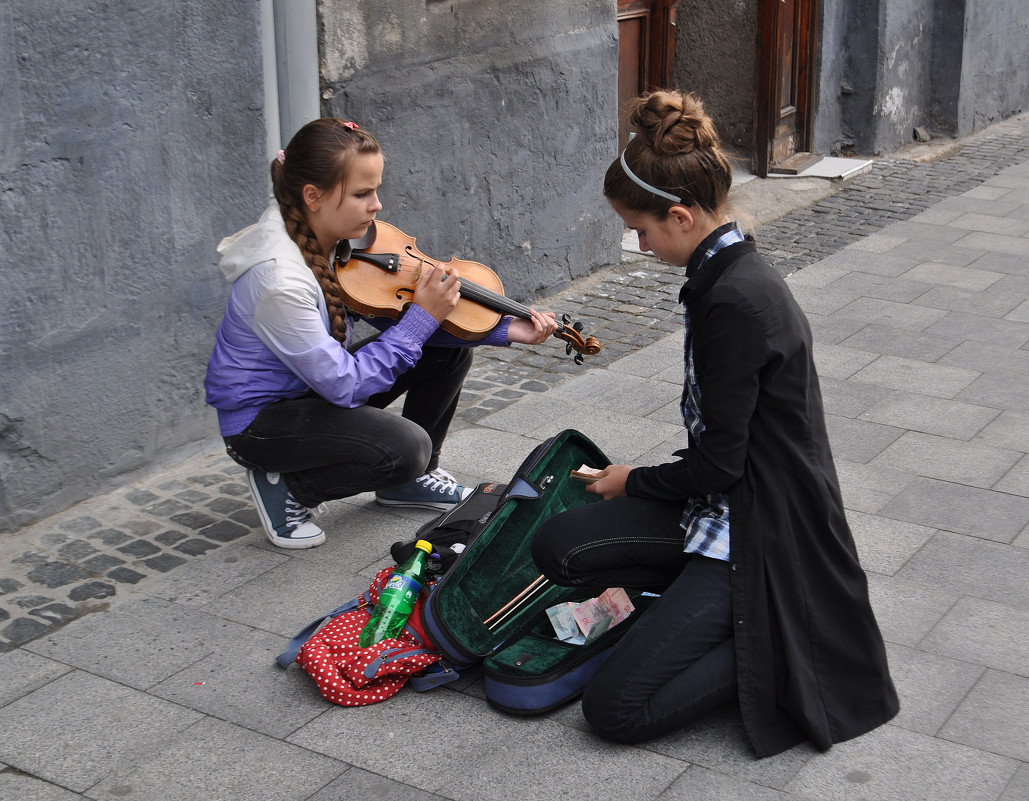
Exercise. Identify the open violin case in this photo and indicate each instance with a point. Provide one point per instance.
(490, 606)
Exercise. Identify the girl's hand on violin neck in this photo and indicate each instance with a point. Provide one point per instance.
(437, 291)
(534, 331)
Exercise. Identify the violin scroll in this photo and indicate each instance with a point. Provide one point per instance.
(571, 333)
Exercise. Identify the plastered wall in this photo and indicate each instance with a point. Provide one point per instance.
(130, 141)
(497, 121)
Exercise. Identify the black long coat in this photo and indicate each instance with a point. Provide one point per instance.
(810, 659)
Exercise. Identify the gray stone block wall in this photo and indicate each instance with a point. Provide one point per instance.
(497, 121)
(131, 141)
(952, 66)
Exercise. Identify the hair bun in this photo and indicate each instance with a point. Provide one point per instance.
(672, 122)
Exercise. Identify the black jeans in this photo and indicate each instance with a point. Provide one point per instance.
(678, 661)
(325, 451)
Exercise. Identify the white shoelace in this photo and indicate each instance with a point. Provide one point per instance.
(439, 480)
(296, 515)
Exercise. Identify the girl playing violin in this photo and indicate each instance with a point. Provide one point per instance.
(300, 405)
(743, 534)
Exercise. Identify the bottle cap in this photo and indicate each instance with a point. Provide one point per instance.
(425, 545)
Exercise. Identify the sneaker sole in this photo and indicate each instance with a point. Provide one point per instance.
(294, 544)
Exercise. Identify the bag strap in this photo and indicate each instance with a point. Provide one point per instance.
(289, 656)
(435, 675)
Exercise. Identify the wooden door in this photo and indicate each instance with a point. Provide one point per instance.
(646, 49)
(784, 88)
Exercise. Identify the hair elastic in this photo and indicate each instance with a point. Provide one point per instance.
(640, 182)
(353, 126)
(281, 156)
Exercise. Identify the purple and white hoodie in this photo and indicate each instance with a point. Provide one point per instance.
(274, 341)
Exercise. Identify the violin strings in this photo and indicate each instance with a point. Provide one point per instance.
(487, 297)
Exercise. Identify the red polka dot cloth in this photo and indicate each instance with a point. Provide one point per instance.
(350, 675)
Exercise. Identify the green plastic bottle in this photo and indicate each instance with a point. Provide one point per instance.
(398, 597)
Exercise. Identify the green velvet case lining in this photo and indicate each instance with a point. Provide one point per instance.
(498, 565)
(539, 653)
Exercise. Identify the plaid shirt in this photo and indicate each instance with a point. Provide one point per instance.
(705, 520)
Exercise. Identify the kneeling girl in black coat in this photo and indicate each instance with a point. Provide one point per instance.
(743, 534)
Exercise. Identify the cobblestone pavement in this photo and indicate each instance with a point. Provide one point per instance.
(77, 562)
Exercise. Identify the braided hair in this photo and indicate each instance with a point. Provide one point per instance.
(319, 154)
(676, 150)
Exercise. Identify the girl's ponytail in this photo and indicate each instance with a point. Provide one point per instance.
(319, 154)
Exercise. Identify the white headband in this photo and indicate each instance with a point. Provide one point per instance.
(640, 182)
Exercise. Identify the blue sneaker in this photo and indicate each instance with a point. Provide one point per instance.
(286, 522)
(436, 490)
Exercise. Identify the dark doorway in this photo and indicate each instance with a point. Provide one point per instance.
(787, 39)
(646, 50)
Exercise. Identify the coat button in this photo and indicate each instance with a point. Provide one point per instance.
(739, 621)
(735, 566)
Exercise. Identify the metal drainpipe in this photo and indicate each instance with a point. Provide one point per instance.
(289, 48)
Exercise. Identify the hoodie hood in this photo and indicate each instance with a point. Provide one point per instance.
(266, 240)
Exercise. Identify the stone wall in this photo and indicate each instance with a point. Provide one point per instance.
(131, 141)
(497, 121)
(949, 66)
(715, 56)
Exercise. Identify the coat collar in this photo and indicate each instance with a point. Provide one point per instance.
(711, 269)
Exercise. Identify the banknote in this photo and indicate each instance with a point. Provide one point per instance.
(584, 621)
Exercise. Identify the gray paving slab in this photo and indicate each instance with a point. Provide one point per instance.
(829, 329)
(931, 415)
(1002, 243)
(886, 545)
(139, 643)
(1018, 787)
(931, 687)
(886, 340)
(718, 742)
(999, 301)
(841, 362)
(907, 610)
(21, 672)
(968, 278)
(866, 488)
(217, 760)
(701, 784)
(483, 749)
(137, 630)
(1008, 430)
(983, 631)
(893, 764)
(19, 787)
(226, 683)
(1002, 390)
(998, 360)
(1016, 480)
(859, 440)
(360, 785)
(992, 716)
(929, 378)
(982, 328)
(80, 728)
(969, 463)
(969, 565)
(905, 288)
(987, 513)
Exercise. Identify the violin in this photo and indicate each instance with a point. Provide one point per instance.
(379, 278)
